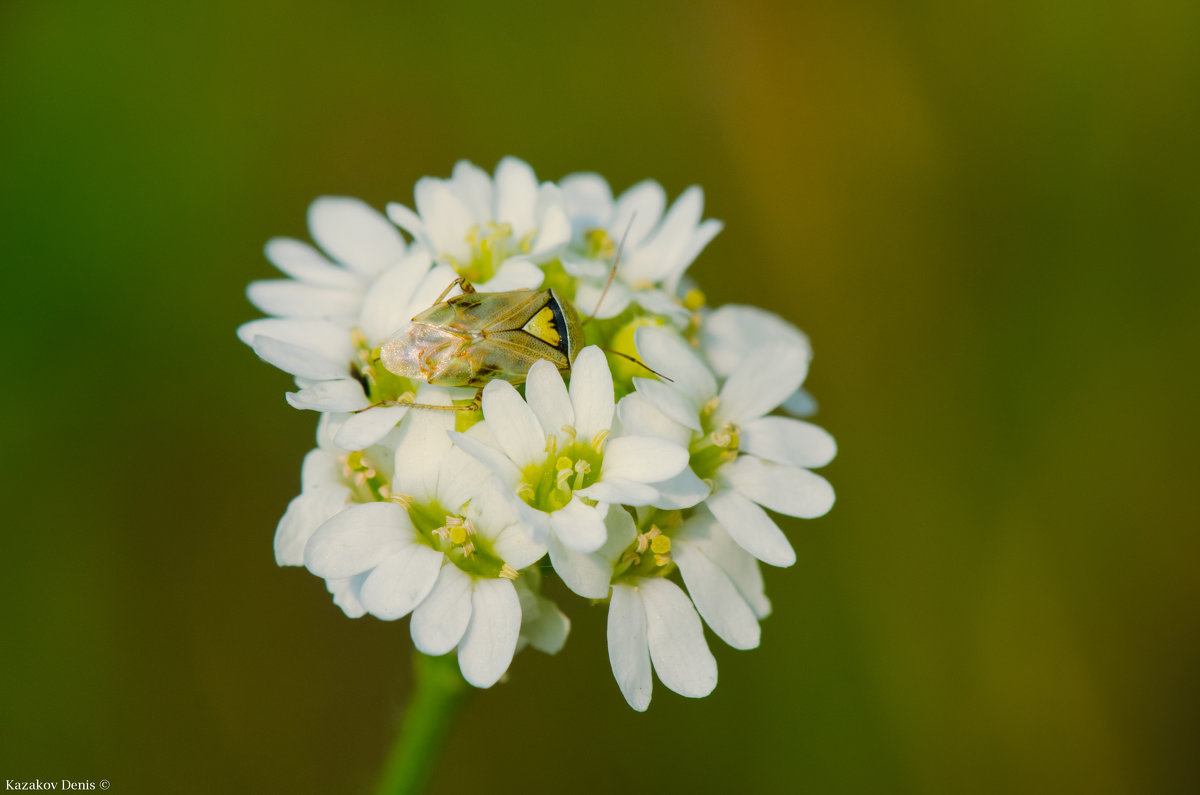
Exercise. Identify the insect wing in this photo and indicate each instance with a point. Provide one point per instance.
(474, 338)
(425, 352)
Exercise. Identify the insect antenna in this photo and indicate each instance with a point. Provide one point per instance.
(638, 362)
(612, 273)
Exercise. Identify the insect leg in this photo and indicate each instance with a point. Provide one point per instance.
(462, 282)
(612, 273)
(474, 405)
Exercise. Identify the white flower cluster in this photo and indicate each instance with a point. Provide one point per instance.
(610, 479)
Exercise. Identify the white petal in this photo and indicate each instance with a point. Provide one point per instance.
(513, 274)
(585, 574)
(682, 491)
(659, 254)
(643, 205)
(385, 308)
(578, 526)
(699, 239)
(628, 650)
(622, 531)
(368, 427)
(535, 522)
(355, 233)
(760, 383)
(299, 361)
(751, 528)
(303, 516)
(516, 195)
(488, 646)
(547, 396)
(330, 340)
(446, 217)
(440, 620)
(788, 441)
(801, 404)
(548, 632)
(410, 222)
(345, 592)
(359, 538)
(588, 299)
(787, 490)
(435, 282)
(591, 392)
(495, 460)
(665, 352)
(660, 303)
(676, 638)
(513, 423)
(643, 459)
(670, 402)
(462, 478)
(702, 531)
(717, 598)
(287, 298)
(421, 446)
(585, 268)
(304, 263)
(640, 418)
(553, 225)
(474, 186)
(732, 331)
(619, 491)
(342, 394)
(516, 547)
(399, 584)
(321, 469)
(588, 200)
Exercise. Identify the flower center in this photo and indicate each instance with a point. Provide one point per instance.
(598, 245)
(650, 553)
(716, 445)
(366, 483)
(491, 244)
(548, 486)
(456, 537)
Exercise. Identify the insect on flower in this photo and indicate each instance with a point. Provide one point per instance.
(473, 338)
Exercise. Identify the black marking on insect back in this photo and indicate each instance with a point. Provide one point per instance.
(560, 324)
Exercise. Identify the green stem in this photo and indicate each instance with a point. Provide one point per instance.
(438, 693)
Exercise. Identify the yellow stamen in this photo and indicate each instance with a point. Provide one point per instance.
(693, 300)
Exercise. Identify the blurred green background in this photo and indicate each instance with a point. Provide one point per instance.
(985, 217)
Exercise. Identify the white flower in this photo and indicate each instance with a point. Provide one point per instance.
(657, 250)
(723, 580)
(555, 453)
(332, 356)
(355, 236)
(444, 546)
(331, 480)
(729, 333)
(752, 461)
(403, 515)
(651, 620)
(491, 232)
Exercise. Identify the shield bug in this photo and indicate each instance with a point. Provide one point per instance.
(472, 338)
